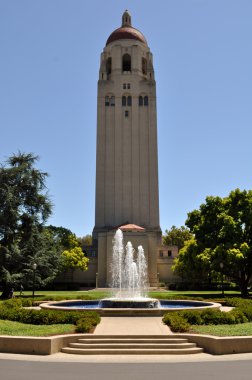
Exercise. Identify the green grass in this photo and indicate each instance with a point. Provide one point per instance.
(223, 330)
(21, 329)
(96, 294)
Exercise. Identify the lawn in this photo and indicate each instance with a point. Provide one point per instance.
(223, 330)
(21, 329)
(97, 294)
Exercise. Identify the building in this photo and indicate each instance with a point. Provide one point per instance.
(127, 193)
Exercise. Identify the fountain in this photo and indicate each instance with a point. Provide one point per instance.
(129, 284)
(129, 274)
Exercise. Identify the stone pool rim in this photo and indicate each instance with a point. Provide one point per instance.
(61, 305)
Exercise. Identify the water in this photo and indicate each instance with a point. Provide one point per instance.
(129, 270)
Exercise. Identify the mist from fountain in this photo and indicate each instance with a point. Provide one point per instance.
(128, 270)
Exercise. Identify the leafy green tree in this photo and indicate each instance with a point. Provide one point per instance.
(177, 236)
(223, 233)
(24, 208)
(74, 257)
(69, 248)
(85, 240)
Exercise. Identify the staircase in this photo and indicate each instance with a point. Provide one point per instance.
(131, 344)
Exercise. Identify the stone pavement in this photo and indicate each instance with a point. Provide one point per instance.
(132, 326)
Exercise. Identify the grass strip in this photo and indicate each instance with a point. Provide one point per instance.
(22, 329)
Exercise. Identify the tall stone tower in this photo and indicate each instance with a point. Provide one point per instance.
(126, 161)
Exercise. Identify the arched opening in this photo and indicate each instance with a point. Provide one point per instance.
(140, 101)
(124, 101)
(108, 66)
(144, 66)
(126, 62)
(146, 101)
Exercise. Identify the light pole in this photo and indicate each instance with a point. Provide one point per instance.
(221, 267)
(34, 267)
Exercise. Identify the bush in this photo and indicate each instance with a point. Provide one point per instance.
(12, 310)
(176, 322)
(83, 325)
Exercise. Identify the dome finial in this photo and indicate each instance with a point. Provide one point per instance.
(126, 18)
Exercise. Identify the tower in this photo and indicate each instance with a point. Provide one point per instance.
(126, 158)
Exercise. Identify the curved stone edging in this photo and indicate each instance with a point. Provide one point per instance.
(51, 345)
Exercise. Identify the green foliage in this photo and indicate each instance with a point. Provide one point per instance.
(24, 208)
(176, 322)
(222, 228)
(11, 310)
(177, 236)
(241, 314)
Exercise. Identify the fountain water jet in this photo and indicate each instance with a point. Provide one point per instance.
(128, 269)
(129, 274)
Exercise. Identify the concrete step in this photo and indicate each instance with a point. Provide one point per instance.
(131, 340)
(132, 345)
(125, 351)
(94, 336)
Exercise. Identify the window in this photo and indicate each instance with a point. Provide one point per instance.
(124, 86)
(169, 253)
(106, 101)
(161, 254)
(140, 101)
(146, 101)
(108, 66)
(126, 62)
(144, 66)
(126, 113)
(112, 101)
(129, 101)
(124, 101)
(128, 86)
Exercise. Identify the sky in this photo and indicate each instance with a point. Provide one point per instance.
(49, 63)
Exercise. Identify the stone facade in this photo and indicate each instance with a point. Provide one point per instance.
(126, 156)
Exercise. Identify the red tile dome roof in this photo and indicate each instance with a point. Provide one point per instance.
(126, 33)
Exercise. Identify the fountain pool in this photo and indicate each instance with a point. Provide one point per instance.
(129, 288)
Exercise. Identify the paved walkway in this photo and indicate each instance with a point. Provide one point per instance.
(132, 326)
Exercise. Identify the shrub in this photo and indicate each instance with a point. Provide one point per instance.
(12, 310)
(176, 322)
(83, 325)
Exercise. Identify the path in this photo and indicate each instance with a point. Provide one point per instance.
(132, 326)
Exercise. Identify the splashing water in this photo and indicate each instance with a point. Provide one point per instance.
(129, 270)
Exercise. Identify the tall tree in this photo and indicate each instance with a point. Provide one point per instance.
(24, 208)
(223, 232)
(177, 236)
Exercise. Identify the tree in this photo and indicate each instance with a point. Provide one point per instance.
(223, 232)
(85, 240)
(24, 208)
(177, 236)
(74, 257)
(69, 248)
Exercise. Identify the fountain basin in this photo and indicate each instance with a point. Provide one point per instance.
(134, 307)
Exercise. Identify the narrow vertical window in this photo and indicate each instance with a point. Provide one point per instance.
(112, 101)
(146, 101)
(106, 101)
(140, 101)
(124, 101)
(144, 66)
(109, 66)
(128, 86)
(126, 113)
(126, 62)
(129, 101)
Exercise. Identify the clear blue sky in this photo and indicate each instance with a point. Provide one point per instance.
(49, 62)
